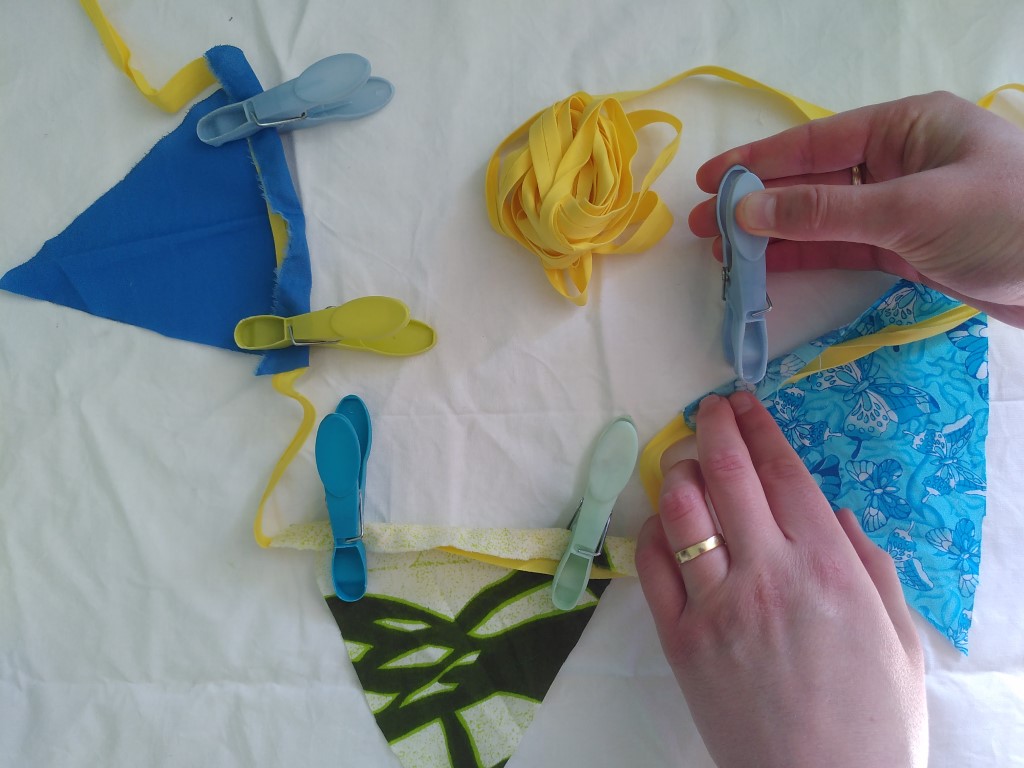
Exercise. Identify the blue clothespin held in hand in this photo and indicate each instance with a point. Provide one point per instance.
(336, 88)
(610, 469)
(342, 448)
(744, 283)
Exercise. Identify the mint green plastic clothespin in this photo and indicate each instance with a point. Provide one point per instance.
(610, 469)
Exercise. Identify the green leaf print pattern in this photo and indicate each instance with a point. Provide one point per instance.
(474, 680)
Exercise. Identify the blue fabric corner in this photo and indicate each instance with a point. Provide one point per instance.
(182, 245)
(899, 437)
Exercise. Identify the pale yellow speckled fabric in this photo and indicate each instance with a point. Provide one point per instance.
(510, 543)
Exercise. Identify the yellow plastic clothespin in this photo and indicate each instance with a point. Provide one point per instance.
(372, 323)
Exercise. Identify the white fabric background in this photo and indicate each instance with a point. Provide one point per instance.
(139, 622)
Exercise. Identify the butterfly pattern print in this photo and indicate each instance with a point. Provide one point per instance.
(957, 630)
(900, 307)
(882, 499)
(825, 472)
(962, 547)
(903, 550)
(945, 448)
(876, 404)
(972, 338)
(802, 434)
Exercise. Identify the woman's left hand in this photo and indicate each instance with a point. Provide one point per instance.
(792, 642)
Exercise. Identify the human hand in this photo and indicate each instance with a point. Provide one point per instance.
(942, 198)
(792, 643)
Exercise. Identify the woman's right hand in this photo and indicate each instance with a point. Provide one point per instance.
(942, 198)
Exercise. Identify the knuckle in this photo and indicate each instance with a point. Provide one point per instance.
(761, 600)
(816, 581)
(817, 209)
(681, 501)
(706, 629)
(880, 560)
(828, 571)
(806, 148)
(768, 597)
(724, 463)
(685, 643)
(784, 468)
(645, 545)
(942, 99)
(646, 570)
(804, 209)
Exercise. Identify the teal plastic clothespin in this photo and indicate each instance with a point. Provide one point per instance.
(342, 448)
(610, 469)
(744, 281)
(336, 88)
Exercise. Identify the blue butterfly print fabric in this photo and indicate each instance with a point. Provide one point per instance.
(898, 436)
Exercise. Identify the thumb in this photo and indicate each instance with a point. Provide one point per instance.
(869, 213)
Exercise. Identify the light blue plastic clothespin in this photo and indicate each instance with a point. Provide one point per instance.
(744, 283)
(610, 469)
(336, 88)
(342, 447)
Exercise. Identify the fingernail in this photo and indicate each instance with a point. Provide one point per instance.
(741, 402)
(710, 400)
(756, 212)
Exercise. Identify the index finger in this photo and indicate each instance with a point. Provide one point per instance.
(829, 144)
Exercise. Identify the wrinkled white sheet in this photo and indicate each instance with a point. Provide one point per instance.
(139, 622)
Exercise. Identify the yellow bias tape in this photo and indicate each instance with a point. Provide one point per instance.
(278, 230)
(285, 384)
(894, 335)
(568, 194)
(189, 82)
(540, 565)
(986, 100)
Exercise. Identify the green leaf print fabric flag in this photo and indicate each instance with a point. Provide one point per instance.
(453, 654)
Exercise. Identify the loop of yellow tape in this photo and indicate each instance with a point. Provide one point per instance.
(568, 192)
(285, 384)
(986, 100)
(189, 82)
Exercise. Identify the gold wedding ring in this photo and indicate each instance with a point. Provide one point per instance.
(698, 549)
(855, 175)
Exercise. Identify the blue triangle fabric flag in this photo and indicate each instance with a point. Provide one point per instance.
(183, 244)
